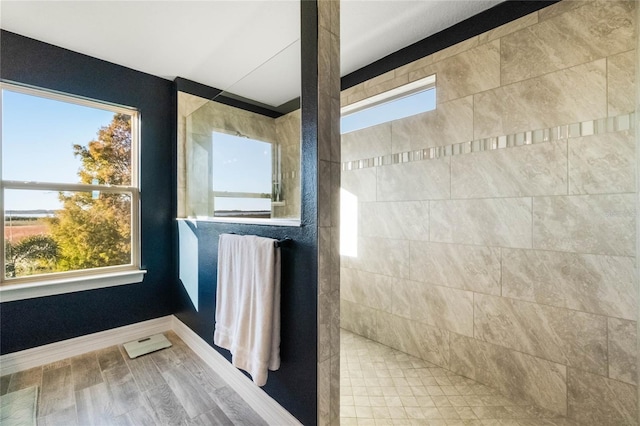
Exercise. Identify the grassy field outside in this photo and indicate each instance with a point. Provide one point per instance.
(17, 229)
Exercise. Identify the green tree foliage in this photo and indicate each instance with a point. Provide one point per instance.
(31, 255)
(93, 231)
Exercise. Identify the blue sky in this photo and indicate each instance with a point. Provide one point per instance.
(241, 165)
(394, 110)
(38, 135)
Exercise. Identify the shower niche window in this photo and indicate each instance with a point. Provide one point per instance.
(239, 143)
(235, 164)
(244, 183)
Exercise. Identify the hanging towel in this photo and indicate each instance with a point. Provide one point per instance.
(248, 303)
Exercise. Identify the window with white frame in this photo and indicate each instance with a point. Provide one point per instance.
(403, 101)
(69, 188)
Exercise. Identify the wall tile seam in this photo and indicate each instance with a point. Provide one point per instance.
(600, 126)
(375, 89)
(424, 323)
(606, 317)
(500, 347)
(539, 76)
(521, 248)
(486, 39)
(599, 375)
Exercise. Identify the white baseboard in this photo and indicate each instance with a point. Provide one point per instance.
(46, 354)
(272, 412)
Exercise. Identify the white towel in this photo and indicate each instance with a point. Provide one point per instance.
(248, 303)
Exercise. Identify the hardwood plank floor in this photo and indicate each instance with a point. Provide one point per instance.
(4, 384)
(169, 387)
(25, 379)
(85, 371)
(94, 405)
(57, 391)
(188, 391)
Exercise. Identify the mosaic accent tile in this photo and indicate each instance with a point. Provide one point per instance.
(601, 126)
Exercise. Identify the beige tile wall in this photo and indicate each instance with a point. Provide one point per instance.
(516, 266)
(201, 116)
(328, 198)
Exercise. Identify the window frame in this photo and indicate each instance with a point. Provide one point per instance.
(389, 96)
(77, 280)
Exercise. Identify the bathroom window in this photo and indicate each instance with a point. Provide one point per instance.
(69, 188)
(242, 176)
(404, 101)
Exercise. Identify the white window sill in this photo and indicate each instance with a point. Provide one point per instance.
(10, 292)
(268, 222)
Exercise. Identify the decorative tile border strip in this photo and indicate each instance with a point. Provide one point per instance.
(586, 128)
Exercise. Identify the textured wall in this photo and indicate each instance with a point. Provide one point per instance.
(33, 322)
(496, 234)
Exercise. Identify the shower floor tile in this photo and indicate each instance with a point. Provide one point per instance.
(382, 386)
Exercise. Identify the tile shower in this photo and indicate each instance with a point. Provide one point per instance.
(497, 233)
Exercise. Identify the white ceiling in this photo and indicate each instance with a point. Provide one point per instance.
(247, 47)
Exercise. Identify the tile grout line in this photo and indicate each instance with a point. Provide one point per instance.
(594, 127)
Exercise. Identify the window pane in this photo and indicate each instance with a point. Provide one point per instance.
(388, 111)
(257, 208)
(47, 140)
(241, 164)
(50, 231)
(242, 176)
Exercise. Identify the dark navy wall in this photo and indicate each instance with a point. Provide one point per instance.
(294, 385)
(33, 322)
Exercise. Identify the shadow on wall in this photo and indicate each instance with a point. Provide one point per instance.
(188, 260)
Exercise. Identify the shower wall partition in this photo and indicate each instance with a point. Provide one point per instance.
(497, 233)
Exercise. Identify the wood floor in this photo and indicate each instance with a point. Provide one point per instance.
(169, 387)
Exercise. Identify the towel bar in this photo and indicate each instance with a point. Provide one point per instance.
(285, 242)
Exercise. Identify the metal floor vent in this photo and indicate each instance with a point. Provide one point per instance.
(146, 345)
